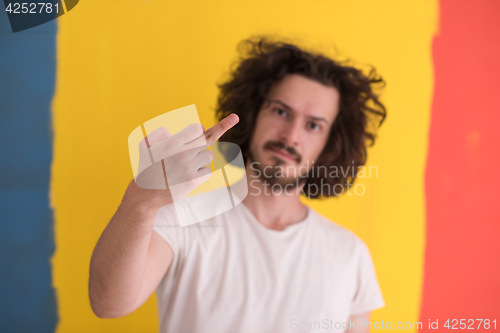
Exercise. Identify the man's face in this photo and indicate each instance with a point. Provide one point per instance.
(292, 128)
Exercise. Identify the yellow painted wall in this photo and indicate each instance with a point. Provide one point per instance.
(123, 62)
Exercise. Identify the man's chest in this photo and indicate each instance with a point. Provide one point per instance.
(310, 279)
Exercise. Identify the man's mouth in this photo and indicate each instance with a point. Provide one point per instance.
(284, 154)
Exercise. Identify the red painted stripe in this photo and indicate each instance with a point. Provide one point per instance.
(462, 261)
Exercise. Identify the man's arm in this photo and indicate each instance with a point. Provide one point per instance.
(129, 260)
(362, 328)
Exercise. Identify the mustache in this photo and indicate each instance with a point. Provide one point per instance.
(281, 146)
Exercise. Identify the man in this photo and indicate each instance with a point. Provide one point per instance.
(271, 264)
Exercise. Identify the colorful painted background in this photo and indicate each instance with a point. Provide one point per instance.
(72, 90)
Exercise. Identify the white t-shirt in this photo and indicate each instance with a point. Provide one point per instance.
(231, 274)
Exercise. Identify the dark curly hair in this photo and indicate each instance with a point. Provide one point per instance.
(264, 62)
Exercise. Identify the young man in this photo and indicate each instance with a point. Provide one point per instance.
(272, 264)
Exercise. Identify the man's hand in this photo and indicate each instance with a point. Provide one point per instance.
(177, 163)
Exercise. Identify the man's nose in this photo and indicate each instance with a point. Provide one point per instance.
(291, 133)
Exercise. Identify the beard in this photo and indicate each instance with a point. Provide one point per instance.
(273, 174)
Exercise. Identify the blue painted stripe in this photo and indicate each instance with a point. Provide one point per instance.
(27, 83)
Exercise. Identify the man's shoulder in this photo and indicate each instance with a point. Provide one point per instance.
(328, 223)
(334, 231)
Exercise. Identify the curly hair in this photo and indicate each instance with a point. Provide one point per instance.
(264, 62)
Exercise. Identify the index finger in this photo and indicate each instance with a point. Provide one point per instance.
(215, 132)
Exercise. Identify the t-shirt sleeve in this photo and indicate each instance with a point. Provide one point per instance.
(168, 227)
(368, 296)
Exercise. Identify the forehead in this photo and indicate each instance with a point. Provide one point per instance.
(306, 96)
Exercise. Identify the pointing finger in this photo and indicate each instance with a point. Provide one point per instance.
(215, 132)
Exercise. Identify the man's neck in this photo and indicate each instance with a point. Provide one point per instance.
(273, 209)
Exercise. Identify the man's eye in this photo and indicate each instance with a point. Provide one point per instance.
(314, 126)
(280, 112)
